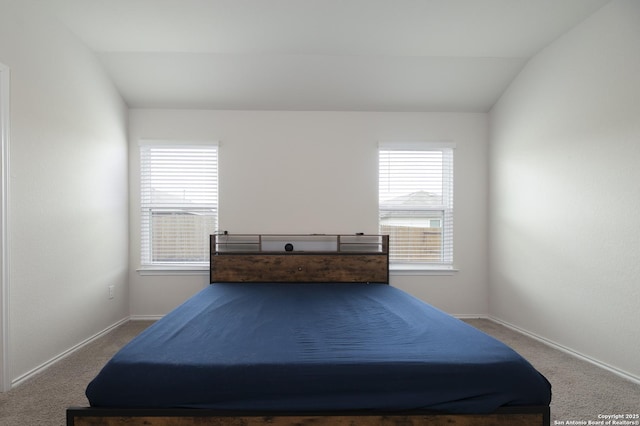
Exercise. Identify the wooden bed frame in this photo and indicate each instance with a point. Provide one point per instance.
(529, 416)
(251, 258)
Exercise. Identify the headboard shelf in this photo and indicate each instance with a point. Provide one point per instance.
(299, 258)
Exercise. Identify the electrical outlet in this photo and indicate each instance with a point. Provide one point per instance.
(110, 292)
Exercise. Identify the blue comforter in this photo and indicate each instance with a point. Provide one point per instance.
(315, 347)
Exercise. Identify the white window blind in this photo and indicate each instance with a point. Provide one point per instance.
(416, 203)
(179, 202)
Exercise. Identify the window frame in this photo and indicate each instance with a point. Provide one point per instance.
(147, 265)
(446, 265)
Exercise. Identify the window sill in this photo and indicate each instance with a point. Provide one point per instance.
(396, 270)
(174, 270)
(419, 270)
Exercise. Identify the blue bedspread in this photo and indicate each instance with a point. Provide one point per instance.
(315, 347)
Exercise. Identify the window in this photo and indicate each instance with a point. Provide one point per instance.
(415, 197)
(179, 202)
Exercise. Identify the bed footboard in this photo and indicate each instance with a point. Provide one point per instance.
(522, 416)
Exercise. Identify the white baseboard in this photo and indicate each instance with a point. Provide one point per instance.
(470, 316)
(44, 366)
(567, 350)
(617, 371)
(145, 317)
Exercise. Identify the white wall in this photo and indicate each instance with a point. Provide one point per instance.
(565, 192)
(316, 172)
(68, 201)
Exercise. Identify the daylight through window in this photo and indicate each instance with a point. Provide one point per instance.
(179, 202)
(416, 203)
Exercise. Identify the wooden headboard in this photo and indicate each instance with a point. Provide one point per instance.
(290, 258)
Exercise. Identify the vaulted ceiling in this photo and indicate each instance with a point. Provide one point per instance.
(367, 55)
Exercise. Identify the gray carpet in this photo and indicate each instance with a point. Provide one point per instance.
(580, 391)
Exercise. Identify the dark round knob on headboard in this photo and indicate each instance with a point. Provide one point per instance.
(288, 247)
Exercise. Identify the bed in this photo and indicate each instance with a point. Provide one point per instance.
(304, 350)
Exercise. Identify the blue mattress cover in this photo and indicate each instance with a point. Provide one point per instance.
(315, 347)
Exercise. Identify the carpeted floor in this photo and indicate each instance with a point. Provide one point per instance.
(581, 391)
(42, 400)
